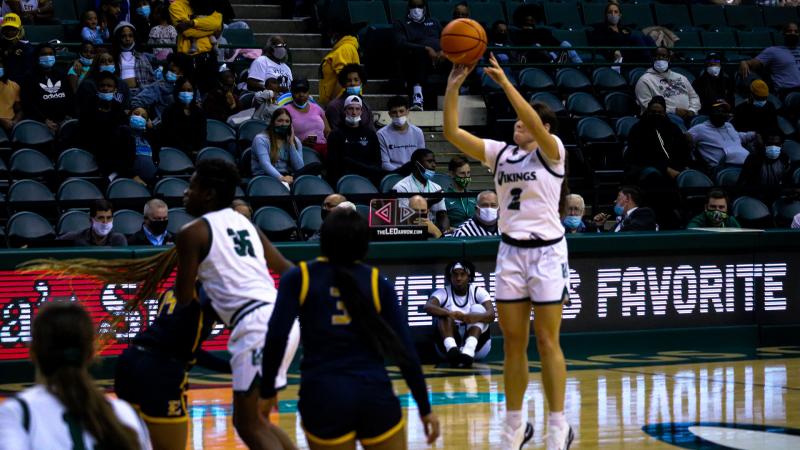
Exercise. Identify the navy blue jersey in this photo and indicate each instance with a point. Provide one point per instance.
(331, 344)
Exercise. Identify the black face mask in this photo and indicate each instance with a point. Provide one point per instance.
(158, 227)
(791, 40)
(655, 118)
(717, 119)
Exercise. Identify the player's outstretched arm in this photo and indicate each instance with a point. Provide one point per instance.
(275, 260)
(524, 110)
(466, 142)
(192, 244)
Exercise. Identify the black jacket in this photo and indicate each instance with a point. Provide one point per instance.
(645, 148)
(354, 151)
(710, 88)
(187, 133)
(641, 219)
(764, 120)
(139, 238)
(47, 96)
(410, 35)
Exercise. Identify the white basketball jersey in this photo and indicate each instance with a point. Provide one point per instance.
(234, 273)
(528, 190)
(448, 300)
(46, 427)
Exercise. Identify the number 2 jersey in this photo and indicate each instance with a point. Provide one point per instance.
(234, 273)
(528, 190)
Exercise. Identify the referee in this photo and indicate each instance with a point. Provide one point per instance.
(484, 221)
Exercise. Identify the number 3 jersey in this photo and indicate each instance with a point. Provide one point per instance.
(528, 190)
(234, 273)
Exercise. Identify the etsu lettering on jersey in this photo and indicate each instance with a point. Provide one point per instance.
(514, 177)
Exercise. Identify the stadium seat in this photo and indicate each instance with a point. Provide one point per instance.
(752, 213)
(488, 85)
(363, 210)
(73, 220)
(624, 125)
(371, 12)
(42, 33)
(75, 162)
(677, 120)
(248, 130)
(398, 10)
(776, 17)
(174, 162)
(77, 193)
(27, 227)
(796, 177)
(689, 74)
(178, 217)
(67, 135)
(310, 220)
(29, 163)
(441, 11)
(276, 223)
(593, 13)
(3, 176)
(620, 104)
(594, 129)
(532, 79)
(571, 80)
(311, 185)
(635, 74)
(606, 79)
(675, 17)
(689, 39)
(691, 179)
(31, 195)
(310, 156)
(582, 104)
(242, 37)
(265, 189)
(487, 12)
(784, 210)
(215, 153)
(30, 133)
(126, 193)
(388, 182)
(710, 17)
(355, 184)
(561, 15)
(744, 17)
(246, 164)
(728, 177)
(697, 120)
(693, 186)
(601, 148)
(171, 190)
(760, 39)
(637, 15)
(246, 100)
(786, 127)
(219, 134)
(717, 40)
(792, 150)
(127, 222)
(553, 102)
(65, 12)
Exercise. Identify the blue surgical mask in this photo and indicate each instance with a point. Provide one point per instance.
(772, 151)
(759, 103)
(301, 106)
(353, 90)
(109, 68)
(138, 123)
(426, 173)
(661, 65)
(572, 222)
(186, 97)
(171, 76)
(46, 62)
(619, 210)
(105, 96)
(86, 62)
(144, 11)
(158, 73)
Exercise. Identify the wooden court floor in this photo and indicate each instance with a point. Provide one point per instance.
(663, 403)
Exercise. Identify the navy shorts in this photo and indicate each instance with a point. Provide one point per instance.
(340, 408)
(154, 384)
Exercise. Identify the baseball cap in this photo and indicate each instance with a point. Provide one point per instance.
(721, 104)
(353, 100)
(759, 88)
(12, 20)
(459, 266)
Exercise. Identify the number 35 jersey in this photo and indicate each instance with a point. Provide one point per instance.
(234, 273)
(528, 190)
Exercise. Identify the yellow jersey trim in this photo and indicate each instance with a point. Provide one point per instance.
(303, 282)
(351, 436)
(386, 435)
(199, 330)
(146, 418)
(376, 298)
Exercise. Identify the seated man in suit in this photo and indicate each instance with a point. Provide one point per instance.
(154, 229)
(630, 216)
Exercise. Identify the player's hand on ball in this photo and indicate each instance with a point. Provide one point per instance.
(459, 73)
(431, 425)
(495, 72)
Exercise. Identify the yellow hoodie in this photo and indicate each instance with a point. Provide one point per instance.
(203, 29)
(344, 52)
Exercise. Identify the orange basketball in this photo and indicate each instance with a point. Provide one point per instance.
(463, 41)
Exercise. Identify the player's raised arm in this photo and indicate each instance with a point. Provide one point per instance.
(466, 142)
(524, 110)
(192, 244)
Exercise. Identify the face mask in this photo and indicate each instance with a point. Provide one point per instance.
(13, 39)
(46, 62)
(102, 229)
(716, 217)
(487, 215)
(186, 97)
(661, 65)
(655, 117)
(279, 53)
(612, 19)
(171, 76)
(353, 90)
(2, 72)
(718, 120)
(138, 122)
(158, 227)
(352, 120)
(791, 40)
(109, 68)
(713, 70)
(301, 106)
(462, 181)
(426, 173)
(127, 48)
(105, 96)
(416, 14)
(572, 222)
(399, 121)
(772, 151)
(759, 103)
(143, 11)
(86, 61)
(619, 210)
(282, 130)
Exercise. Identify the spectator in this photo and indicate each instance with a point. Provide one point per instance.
(183, 124)
(36, 12)
(99, 128)
(716, 213)
(266, 101)
(223, 100)
(10, 104)
(680, 97)
(459, 209)
(420, 206)
(498, 37)
(156, 97)
(354, 148)
(17, 54)
(782, 62)
(163, 33)
(308, 119)
(197, 26)
(484, 219)
(718, 143)
(655, 141)
(576, 208)
(399, 139)
(99, 233)
(713, 84)
(87, 89)
(796, 222)
(461, 11)
(343, 54)
(528, 35)
(140, 19)
(766, 165)
(141, 142)
(92, 31)
(423, 169)
(417, 40)
(352, 78)
(462, 312)
(277, 152)
(757, 113)
(330, 202)
(81, 66)
(630, 216)
(271, 64)
(46, 97)
(135, 69)
(612, 33)
(111, 13)
(154, 229)
(243, 208)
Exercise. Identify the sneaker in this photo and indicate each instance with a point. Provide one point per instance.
(454, 357)
(466, 360)
(559, 438)
(416, 107)
(515, 439)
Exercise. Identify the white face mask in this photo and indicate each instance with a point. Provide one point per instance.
(399, 121)
(487, 215)
(661, 65)
(352, 120)
(102, 229)
(416, 14)
(713, 70)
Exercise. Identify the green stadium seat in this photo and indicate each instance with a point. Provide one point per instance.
(65, 12)
(562, 15)
(551, 101)
(672, 16)
(637, 15)
(784, 210)
(487, 13)
(689, 39)
(777, 17)
(441, 11)
(372, 12)
(710, 17)
(594, 13)
(533, 79)
(241, 37)
(752, 213)
(582, 104)
(398, 9)
(310, 220)
(744, 17)
(43, 33)
(761, 39)
(719, 40)
(276, 223)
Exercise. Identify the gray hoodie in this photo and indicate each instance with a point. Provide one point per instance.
(674, 87)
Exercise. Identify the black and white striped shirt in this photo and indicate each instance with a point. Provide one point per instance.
(472, 228)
